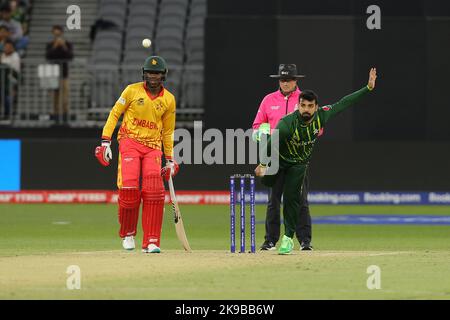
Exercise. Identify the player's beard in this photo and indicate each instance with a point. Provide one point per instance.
(306, 116)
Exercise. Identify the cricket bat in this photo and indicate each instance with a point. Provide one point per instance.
(179, 227)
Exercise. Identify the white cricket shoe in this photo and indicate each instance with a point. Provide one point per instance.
(128, 243)
(152, 248)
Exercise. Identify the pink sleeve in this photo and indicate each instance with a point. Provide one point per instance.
(261, 116)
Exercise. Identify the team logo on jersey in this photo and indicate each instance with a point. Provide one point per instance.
(326, 108)
(140, 102)
(154, 62)
(158, 107)
(275, 107)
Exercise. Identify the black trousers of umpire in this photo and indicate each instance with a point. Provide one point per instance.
(303, 230)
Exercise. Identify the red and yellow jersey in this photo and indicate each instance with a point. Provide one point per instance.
(146, 119)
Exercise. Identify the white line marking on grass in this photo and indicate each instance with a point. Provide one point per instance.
(386, 254)
(359, 253)
(61, 222)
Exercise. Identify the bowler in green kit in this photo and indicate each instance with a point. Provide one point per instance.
(298, 133)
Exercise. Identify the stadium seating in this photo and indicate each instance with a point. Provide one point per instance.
(176, 30)
(198, 8)
(153, 3)
(142, 10)
(192, 82)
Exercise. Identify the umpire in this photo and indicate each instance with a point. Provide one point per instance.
(273, 107)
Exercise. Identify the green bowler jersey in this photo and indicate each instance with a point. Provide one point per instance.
(297, 138)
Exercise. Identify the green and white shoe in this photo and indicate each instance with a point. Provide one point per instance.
(287, 244)
(152, 248)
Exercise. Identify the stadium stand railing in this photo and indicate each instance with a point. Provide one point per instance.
(114, 60)
(32, 103)
(7, 85)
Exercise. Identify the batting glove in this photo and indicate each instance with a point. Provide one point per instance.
(103, 153)
(171, 169)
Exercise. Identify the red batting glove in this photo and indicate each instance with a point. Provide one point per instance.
(103, 153)
(171, 167)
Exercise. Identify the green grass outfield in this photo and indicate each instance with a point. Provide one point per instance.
(39, 242)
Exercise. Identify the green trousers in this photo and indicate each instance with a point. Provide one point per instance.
(294, 175)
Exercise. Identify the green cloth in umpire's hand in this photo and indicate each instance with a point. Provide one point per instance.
(264, 128)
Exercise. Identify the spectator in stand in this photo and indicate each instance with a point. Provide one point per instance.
(18, 12)
(11, 59)
(14, 27)
(60, 51)
(4, 35)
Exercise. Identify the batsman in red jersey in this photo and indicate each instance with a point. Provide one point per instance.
(146, 132)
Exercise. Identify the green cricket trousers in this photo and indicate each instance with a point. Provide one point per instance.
(293, 182)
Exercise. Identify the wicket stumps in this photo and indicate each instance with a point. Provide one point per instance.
(242, 178)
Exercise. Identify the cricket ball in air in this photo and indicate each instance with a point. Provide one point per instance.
(146, 43)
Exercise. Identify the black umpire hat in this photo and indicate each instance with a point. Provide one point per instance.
(287, 71)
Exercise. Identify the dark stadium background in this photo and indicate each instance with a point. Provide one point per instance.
(399, 139)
